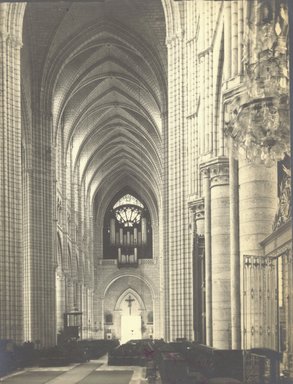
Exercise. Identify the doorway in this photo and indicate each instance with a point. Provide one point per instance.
(131, 316)
(130, 328)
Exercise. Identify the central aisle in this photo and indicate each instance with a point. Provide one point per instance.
(94, 372)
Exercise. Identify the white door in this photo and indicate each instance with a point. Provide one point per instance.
(130, 328)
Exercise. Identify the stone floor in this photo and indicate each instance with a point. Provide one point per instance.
(93, 372)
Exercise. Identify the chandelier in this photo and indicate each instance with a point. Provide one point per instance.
(258, 120)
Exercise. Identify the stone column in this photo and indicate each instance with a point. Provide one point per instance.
(78, 299)
(199, 210)
(257, 208)
(234, 254)
(90, 314)
(11, 257)
(208, 256)
(84, 312)
(197, 238)
(42, 306)
(227, 37)
(220, 260)
(258, 201)
(69, 295)
(60, 300)
(289, 311)
(179, 254)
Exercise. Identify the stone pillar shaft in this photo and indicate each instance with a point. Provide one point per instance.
(60, 300)
(69, 295)
(227, 41)
(208, 264)
(234, 38)
(257, 204)
(234, 255)
(220, 268)
(11, 260)
(179, 253)
(42, 305)
(257, 208)
(197, 244)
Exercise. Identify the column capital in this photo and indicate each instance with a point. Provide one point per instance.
(197, 207)
(219, 174)
(205, 172)
(217, 170)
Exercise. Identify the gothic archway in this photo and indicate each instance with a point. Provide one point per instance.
(130, 306)
(128, 299)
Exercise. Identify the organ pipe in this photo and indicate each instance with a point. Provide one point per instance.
(135, 235)
(112, 231)
(143, 231)
(139, 238)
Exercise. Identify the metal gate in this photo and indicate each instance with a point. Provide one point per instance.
(260, 302)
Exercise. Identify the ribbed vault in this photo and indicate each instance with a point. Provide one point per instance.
(107, 91)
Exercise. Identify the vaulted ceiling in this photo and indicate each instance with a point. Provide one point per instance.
(102, 67)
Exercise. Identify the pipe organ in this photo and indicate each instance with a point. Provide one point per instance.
(128, 234)
(128, 244)
(128, 238)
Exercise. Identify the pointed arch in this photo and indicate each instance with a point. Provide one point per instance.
(125, 294)
(122, 275)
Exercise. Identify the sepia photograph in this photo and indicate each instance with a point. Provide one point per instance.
(145, 192)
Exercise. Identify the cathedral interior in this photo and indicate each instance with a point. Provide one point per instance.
(145, 174)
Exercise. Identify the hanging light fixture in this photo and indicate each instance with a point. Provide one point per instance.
(258, 120)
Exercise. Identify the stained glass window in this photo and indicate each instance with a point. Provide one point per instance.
(128, 210)
(128, 199)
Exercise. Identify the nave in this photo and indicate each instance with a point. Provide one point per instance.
(145, 177)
